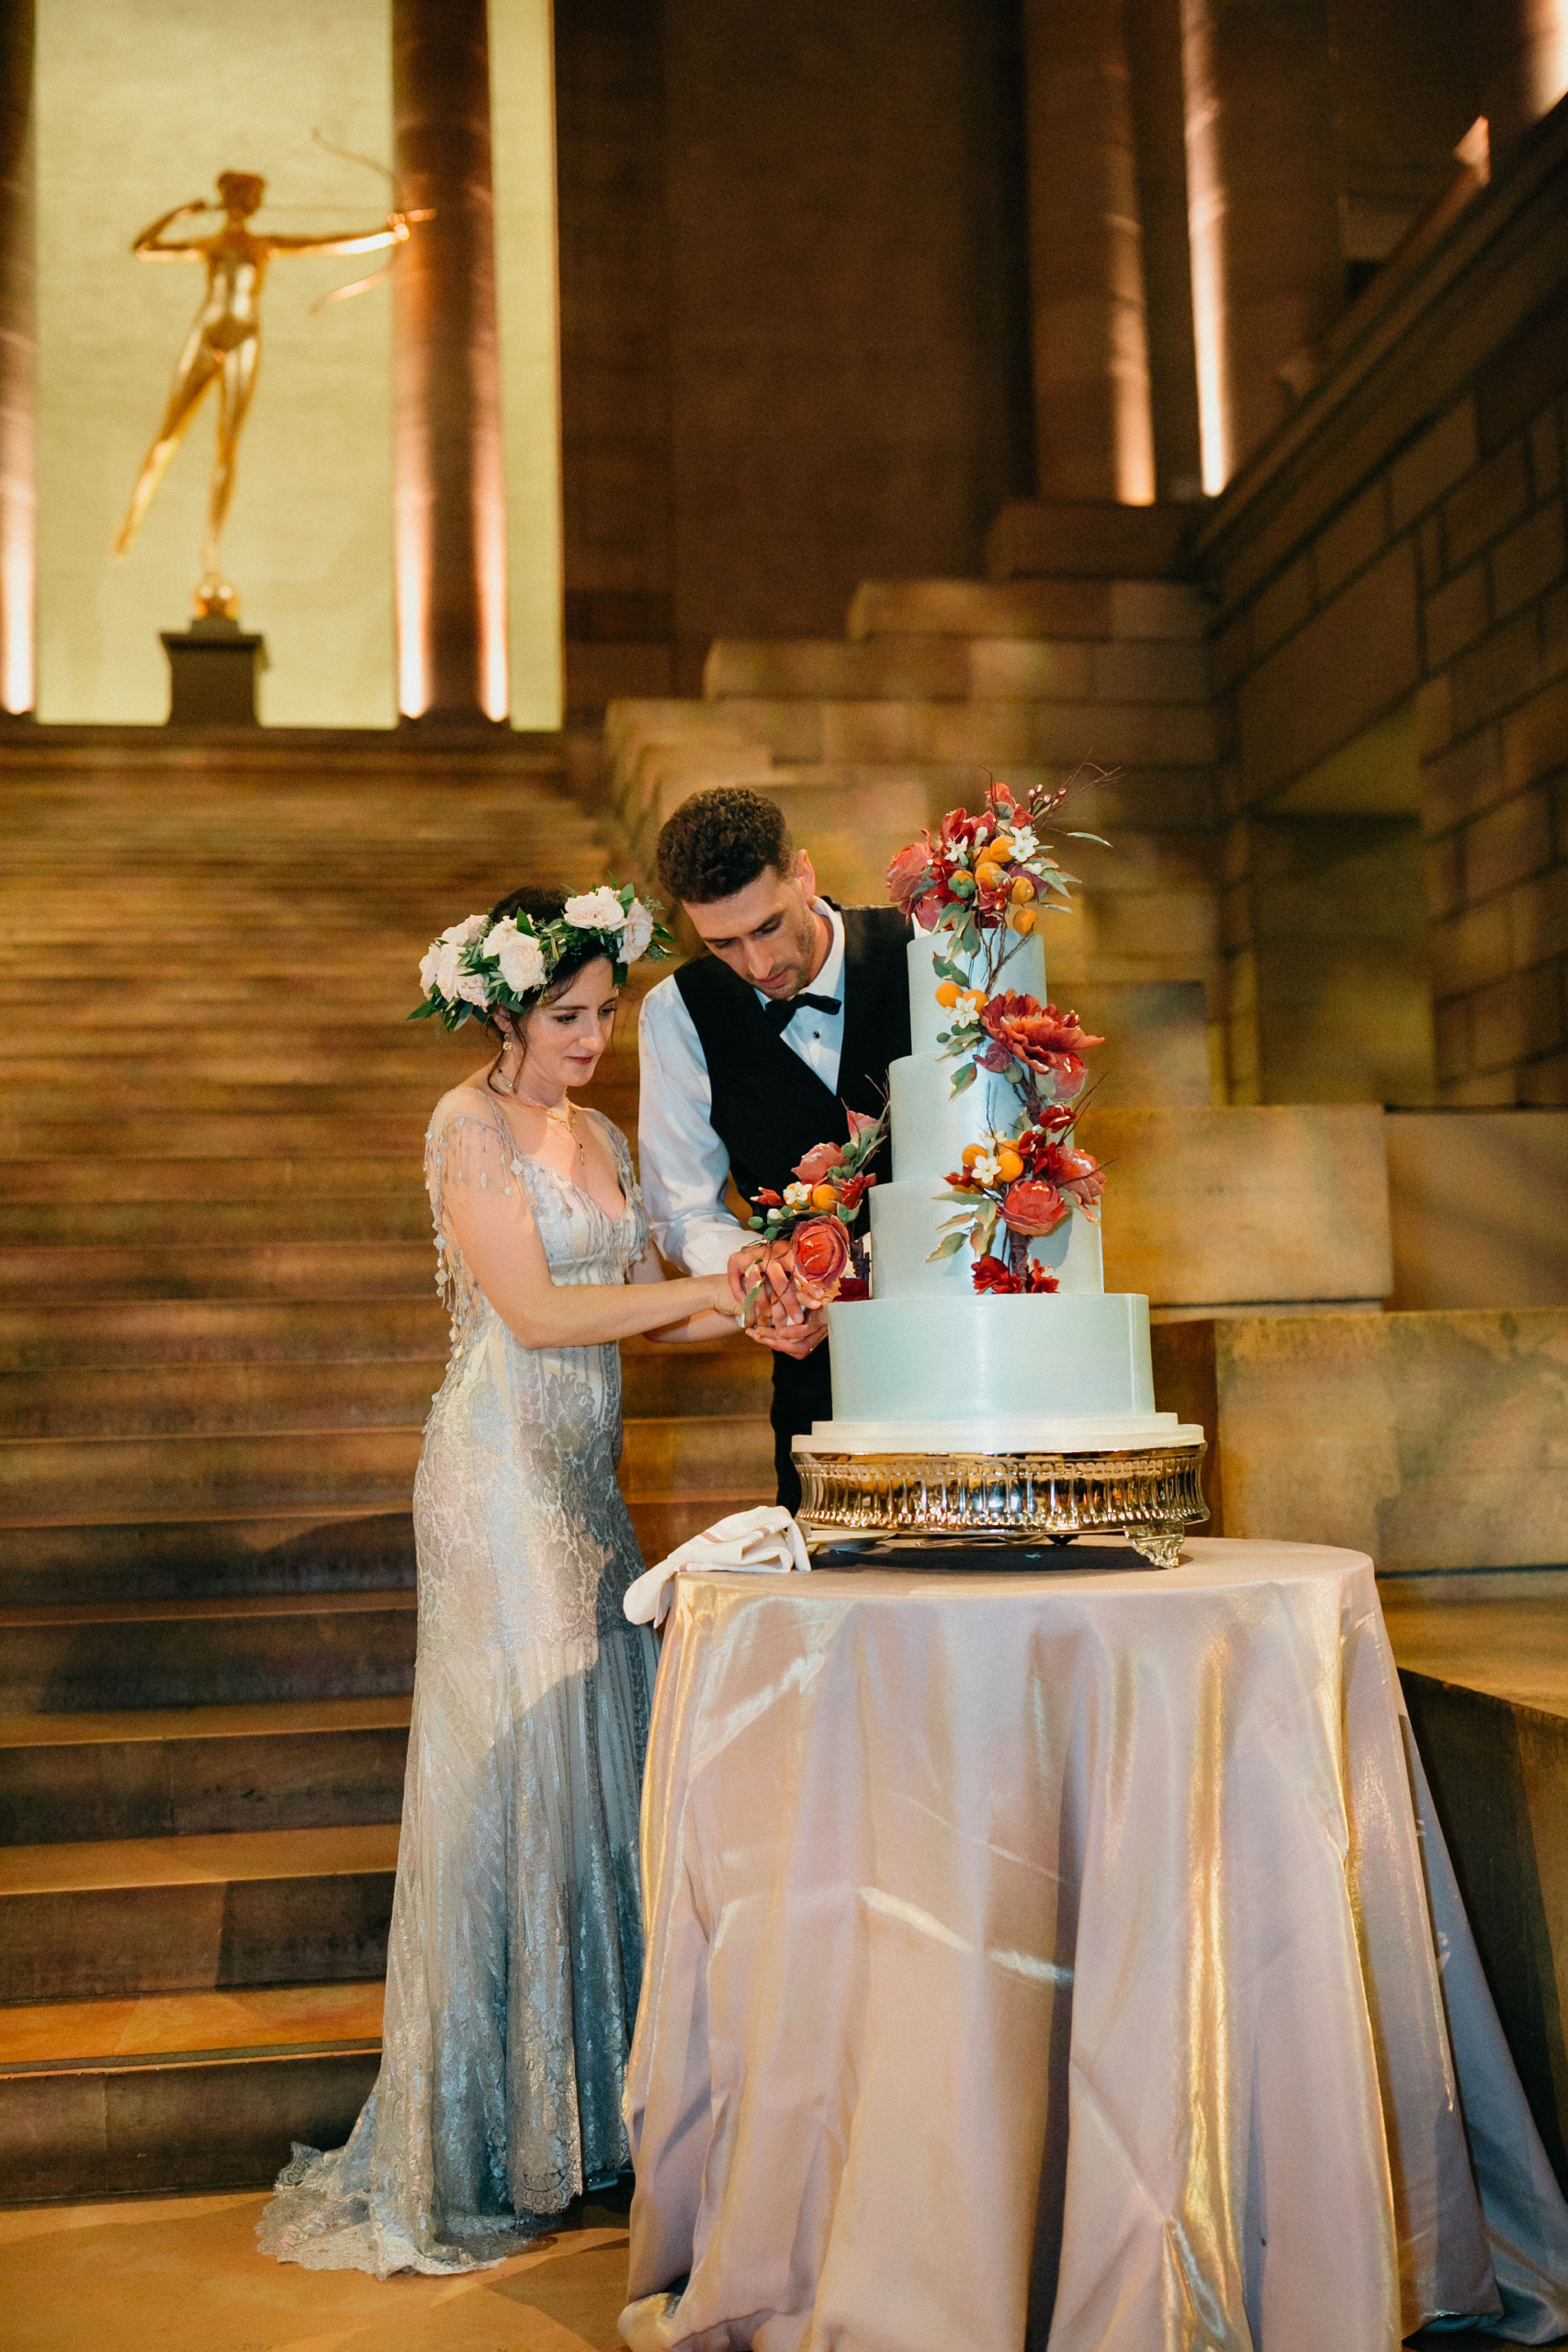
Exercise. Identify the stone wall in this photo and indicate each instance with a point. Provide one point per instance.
(1392, 649)
(794, 313)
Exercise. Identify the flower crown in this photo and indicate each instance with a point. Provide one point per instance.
(477, 967)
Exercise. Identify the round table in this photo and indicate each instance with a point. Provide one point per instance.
(1051, 1957)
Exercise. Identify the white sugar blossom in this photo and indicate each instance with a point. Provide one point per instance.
(521, 957)
(984, 1170)
(1025, 844)
(598, 910)
(797, 1196)
(637, 932)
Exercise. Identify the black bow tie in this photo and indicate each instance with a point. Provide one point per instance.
(779, 1012)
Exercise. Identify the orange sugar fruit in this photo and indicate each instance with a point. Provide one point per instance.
(824, 1197)
(972, 1152)
(1021, 920)
(1008, 1166)
(947, 993)
(987, 875)
(1022, 890)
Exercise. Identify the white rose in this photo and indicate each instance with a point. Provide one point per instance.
(457, 934)
(447, 954)
(520, 955)
(598, 910)
(429, 965)
(471, 988)
(637, 932)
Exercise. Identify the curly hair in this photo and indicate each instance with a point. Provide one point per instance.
(718, 841)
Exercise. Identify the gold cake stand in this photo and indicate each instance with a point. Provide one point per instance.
(1152, 1495)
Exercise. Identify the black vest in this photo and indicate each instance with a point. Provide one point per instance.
(768, 1108)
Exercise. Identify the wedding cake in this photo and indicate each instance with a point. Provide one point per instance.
(957, 1351)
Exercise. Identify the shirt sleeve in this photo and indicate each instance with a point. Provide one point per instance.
(684, 1166)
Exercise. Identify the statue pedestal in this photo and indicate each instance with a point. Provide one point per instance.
(212, 673)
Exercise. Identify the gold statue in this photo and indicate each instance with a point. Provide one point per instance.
(224, 346)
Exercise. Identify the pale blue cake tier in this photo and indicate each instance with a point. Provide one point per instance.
(905, 1221)
(930, 1124)
(970, 1361)
(1024, 971)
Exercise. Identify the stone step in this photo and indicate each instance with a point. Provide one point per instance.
(60, 1099)
(196, 1914)
(997, 732)
(1060, 609)
(136, 1654)
(163, 1225)
(167, 1399)
(234, 1556)
(71, 1180)
(239, 1556)
(919, 670)
(152, 1134)
(106, 1332)
(189, 1770)
(132, 2096)
(281, 1269)
(1090, 538)
(45, 1480)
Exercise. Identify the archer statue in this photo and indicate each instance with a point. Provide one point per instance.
(224, 346)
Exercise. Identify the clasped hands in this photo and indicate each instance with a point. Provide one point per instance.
(783, 1321)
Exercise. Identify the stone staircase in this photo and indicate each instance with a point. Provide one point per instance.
(219, 1338)
(939, 684)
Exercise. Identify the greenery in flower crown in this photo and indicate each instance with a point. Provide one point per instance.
(477, 967)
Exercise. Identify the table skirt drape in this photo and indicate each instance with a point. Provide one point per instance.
(1069, 1960)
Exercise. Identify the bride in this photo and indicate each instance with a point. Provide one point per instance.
(516, 1937)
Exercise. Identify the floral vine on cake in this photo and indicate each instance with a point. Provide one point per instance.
(1028, 1185)
(988, 878)
(808, 1227)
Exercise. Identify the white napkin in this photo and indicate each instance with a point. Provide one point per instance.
(763, 1541)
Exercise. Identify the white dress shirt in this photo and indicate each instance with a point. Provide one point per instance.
(683, 1166)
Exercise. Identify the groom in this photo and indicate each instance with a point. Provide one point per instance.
(750, 1053)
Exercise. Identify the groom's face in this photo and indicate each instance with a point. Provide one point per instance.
(767, 933)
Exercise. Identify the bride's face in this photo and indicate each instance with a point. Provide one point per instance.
(564, 1037)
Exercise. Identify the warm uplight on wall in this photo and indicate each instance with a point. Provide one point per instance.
(1548, 61)
(16, 584)
(1206, 242)
(411, 556)
(490, 564)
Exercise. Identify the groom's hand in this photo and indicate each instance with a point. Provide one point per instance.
(792, 1339)
(762, 1269)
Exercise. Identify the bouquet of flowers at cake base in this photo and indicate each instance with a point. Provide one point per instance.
(1027, 1185)
(808, 1227)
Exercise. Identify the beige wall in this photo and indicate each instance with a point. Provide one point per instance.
(141, 104)
(522, 74)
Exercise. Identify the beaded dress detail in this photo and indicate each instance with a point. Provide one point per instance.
(515, 1952)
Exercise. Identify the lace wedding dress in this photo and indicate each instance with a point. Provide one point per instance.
(516, 1941)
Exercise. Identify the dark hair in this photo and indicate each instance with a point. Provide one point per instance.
(718, 841)
(548, 906)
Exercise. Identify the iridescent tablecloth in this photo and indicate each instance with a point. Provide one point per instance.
(1057, 1959)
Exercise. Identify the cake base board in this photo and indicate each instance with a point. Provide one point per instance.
(1153, 1494)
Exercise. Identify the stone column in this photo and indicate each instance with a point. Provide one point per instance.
(1154, 53)
(1521, 63)
(1263, 221)
(449, 483)
(18, 359)
(1092, 429)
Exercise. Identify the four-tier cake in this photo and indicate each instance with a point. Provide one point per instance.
(977, 1392)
